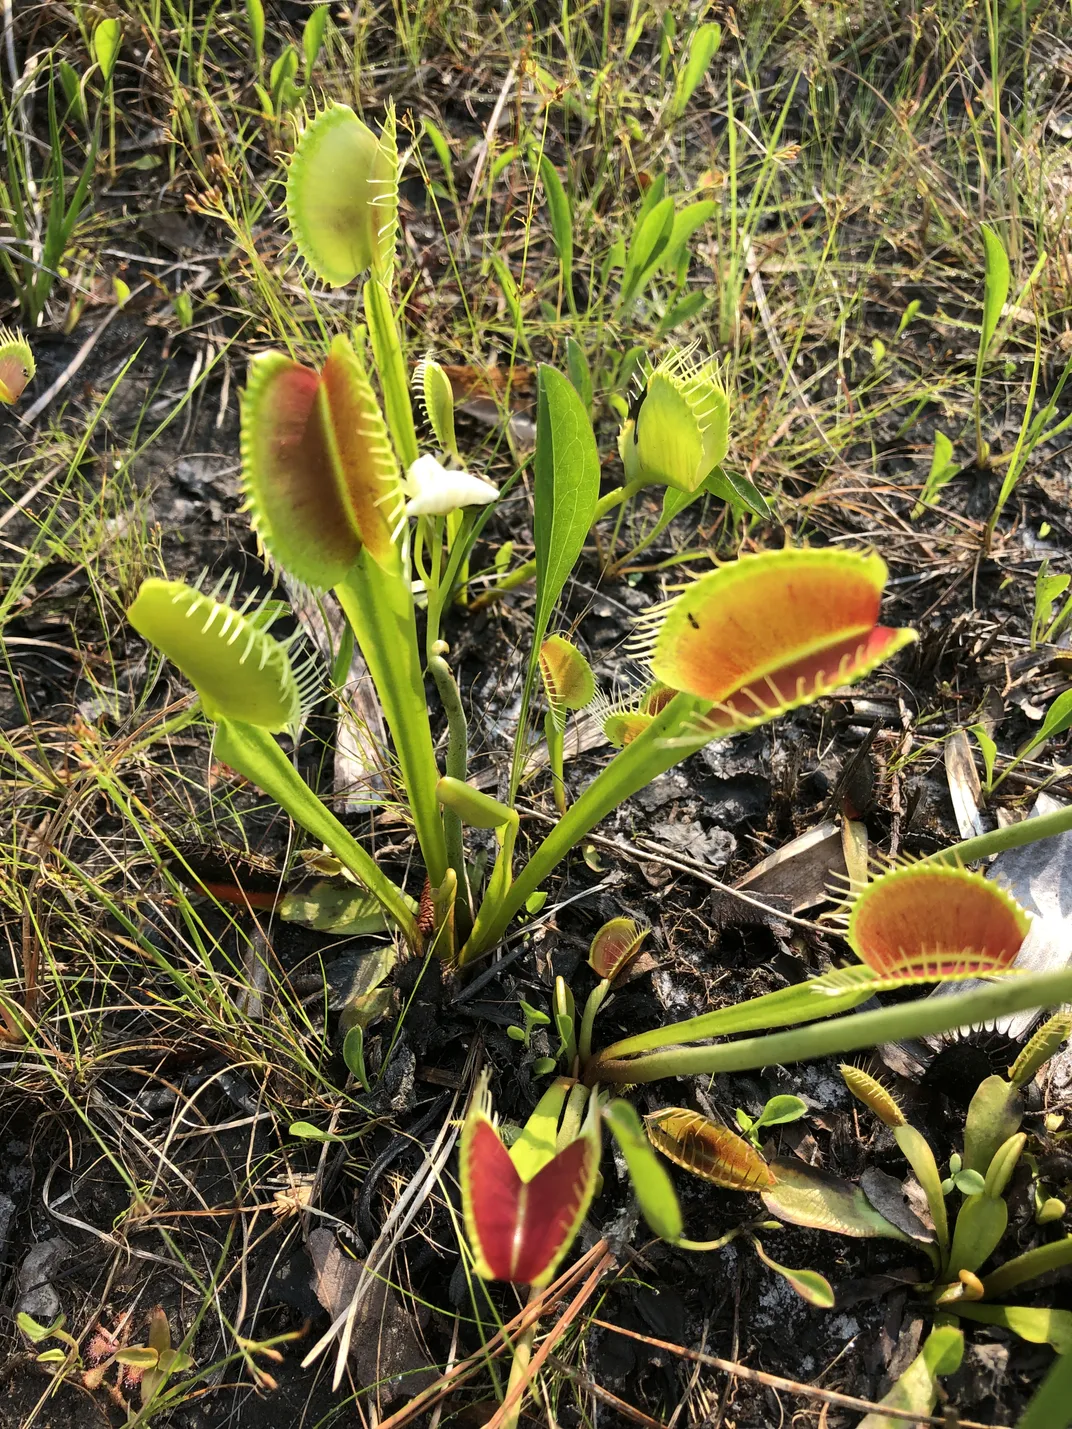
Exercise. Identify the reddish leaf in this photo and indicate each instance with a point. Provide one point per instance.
(614, 947)
(708, 1150)
(935, 921)
(768, 632)
(520, 1230)
(295, 501)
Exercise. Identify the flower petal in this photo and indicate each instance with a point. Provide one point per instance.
(935, 921)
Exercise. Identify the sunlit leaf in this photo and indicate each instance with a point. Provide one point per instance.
(917, 1388)
(17, 365)
(708, 1150)
(1041, 1326)
(342, 195)
(768, 632)
(239, 670)
(654, 1189)
(996, 287)
(937, 921)
(807, 1196)
(808, 1284)
(994, 1114)
(567, 675)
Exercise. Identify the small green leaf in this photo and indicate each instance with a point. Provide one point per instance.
(782, 1109)
(543, 1065)
(943, 469)
(808, 1284)
(306, 1131)
(705, 43)
(969, 1183)
(255, 17)
(313, 36)
(987, 748)
(558, 207)
(107, 38)
(1057, 719)
(535, 901)
(738, 491)
(517, 1034)
(917, 1388)
(138, 1357)
(996, 287)
(353, 1054)
(34, 1330)
(981, 1223)
(651, 1181)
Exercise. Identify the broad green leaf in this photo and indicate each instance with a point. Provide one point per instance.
(138, 1357)
(313, 36)
(651, 1182)
(808, 1284)
(996, 287)
(917, 1151)
(994, 1114)
(565, 495)
(107, 37)
(704, 47)
(807, 1196)
(255, 18)
(1040, 1326)
(646, 247)
(981, 1223)
(1051, 1407)
(566, 489)
(329, 907)
(579, 371)
(558, 206)
(917, 1388)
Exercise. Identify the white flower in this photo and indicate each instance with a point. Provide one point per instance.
(434, 491)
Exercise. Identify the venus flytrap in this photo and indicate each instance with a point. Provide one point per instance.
(993, 1145)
